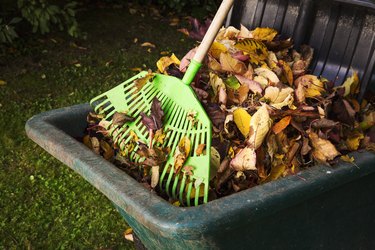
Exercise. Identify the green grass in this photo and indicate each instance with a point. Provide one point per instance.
(43, 203)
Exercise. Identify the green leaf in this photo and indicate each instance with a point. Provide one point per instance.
(232, 82)
(15, 20)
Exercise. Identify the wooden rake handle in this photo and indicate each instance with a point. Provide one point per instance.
(212, 31)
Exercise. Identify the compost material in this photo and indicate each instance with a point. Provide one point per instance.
(270, 116)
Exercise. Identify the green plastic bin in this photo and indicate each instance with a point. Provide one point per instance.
(319, 208)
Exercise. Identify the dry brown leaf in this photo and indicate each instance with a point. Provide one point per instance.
(279, 98)
(244, 160)
(323, 150)
(282, 124)
(260, 124)
(200, 149)
(140, 82)
(154, 176)
(228, 63)
(242, 120)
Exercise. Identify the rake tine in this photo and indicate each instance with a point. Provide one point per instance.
(190, 187)
(182, 189)
(175, 184)
(196, 196)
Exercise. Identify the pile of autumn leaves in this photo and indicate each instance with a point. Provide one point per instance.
(270, 116)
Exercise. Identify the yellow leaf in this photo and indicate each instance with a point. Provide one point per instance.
(347, 158)
(308, 86)
(2, 82)
(276, 172)
(323, 150)
(267, 73)
(353, 140)
(166, 61)
(351, 84)
(264, 34)
(217, 48)
(287, 72)
(214, 65)
(140, 82)
(256, 49)
(242, 120)
(260, 124)
(228, 63)
(282, 124)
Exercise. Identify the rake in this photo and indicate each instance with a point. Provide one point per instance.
(177, 100)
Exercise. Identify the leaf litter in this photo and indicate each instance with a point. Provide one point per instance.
(270, 117)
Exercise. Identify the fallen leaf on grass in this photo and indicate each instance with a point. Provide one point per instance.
(128, 234)
(148, 44)
(166, 61)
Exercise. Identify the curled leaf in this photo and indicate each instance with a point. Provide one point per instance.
(121, 118)
(166, 61)
(260, 124)
(279, 98)
(244, 160)
(154, 176)
(267, 73)
(323, 150)
(251, 84)
(181, 153)
(351, 85)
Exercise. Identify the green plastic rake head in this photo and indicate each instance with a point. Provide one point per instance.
(177, 99)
